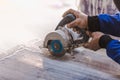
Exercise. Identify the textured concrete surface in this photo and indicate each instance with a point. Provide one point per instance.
(31, 62)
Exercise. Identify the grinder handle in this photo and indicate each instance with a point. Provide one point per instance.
(67, 19)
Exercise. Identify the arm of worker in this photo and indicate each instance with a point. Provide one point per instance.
(100, 40)
(112, 47)
(108, 24)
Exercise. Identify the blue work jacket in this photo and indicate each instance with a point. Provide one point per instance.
(110, 24)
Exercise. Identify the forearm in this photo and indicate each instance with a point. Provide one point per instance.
(105, 23)
(93, 23)
(112, 47)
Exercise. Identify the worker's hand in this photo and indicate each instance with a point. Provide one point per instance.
(81, 19)
(94, 43)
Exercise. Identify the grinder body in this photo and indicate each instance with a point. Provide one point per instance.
(64, 39)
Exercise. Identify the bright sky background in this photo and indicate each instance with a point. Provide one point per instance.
(25, 20)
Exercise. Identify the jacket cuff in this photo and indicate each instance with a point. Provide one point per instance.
(93, 23)
(104, 40)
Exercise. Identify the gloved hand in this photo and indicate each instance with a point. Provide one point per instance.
(94, 43)
(81, 19)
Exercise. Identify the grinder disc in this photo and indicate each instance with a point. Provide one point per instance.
(56, 48)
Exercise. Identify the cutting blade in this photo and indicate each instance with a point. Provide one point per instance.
(56, 48)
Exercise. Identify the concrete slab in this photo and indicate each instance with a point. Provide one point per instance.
(32, 63)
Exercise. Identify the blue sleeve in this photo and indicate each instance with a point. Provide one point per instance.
(110, 24)
(113, 50)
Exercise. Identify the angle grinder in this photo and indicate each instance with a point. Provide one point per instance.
(63, 39)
